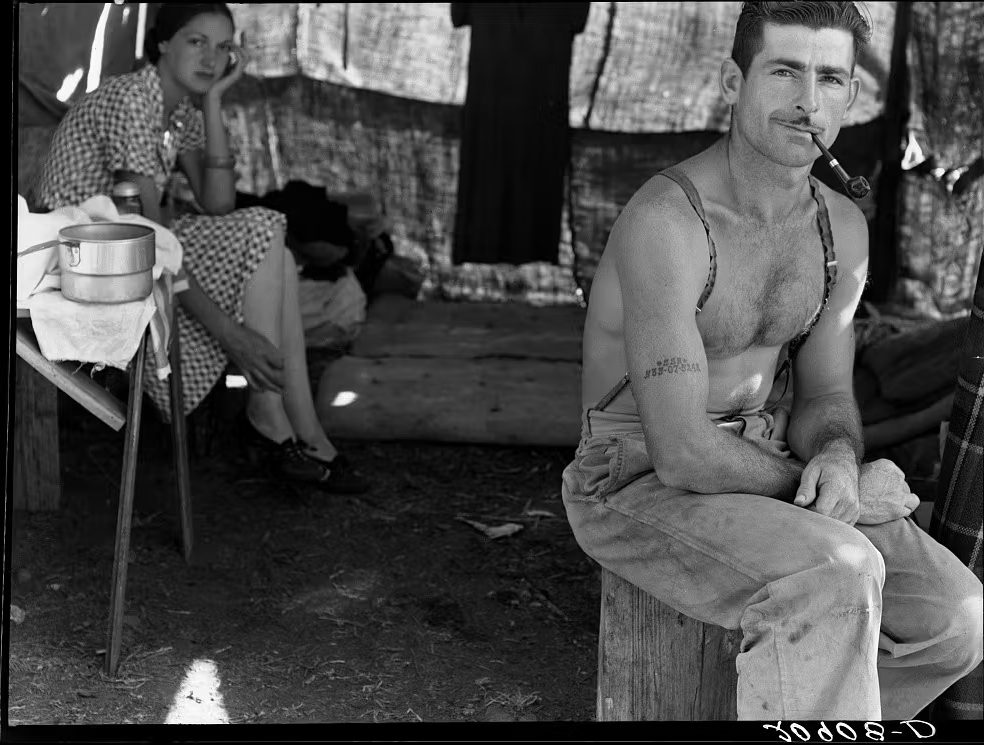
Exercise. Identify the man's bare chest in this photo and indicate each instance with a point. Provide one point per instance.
(768, 286)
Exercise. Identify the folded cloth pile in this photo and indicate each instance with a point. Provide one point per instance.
(102, 334)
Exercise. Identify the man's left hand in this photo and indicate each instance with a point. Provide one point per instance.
(829, 485)
(885, 495)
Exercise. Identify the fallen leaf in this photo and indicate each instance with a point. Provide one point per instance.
(498, 531)
(16, 614)
(502, 531)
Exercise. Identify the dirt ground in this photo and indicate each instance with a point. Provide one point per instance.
(303, 607)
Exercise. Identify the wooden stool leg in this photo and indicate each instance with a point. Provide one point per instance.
(124, 517)
(179, 440)
(655, 664)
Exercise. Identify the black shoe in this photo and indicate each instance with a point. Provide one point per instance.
(260, 450)
(339, 475)
(294, 461)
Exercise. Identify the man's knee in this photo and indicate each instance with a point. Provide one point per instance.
(853, 565)
(964, 636)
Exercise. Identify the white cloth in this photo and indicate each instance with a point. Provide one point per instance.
(332, 313)
(103, 334)
(89, 332)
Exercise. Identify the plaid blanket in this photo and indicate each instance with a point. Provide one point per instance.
(957, 520)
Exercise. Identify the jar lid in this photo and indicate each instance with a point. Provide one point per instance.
(126, 189)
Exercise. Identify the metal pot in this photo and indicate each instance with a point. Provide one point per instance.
(107, 262)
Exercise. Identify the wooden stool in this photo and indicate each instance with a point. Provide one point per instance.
(655, 664)
(102, 404)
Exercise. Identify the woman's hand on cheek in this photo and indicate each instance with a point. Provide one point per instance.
(235, 67)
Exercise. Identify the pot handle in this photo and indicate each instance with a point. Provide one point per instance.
(75, 246)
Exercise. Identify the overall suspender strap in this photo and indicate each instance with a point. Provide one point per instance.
(691, 191)
(612, 393)
(829, 266)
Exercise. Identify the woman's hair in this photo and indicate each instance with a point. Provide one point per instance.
(815, 15)
(172, 17)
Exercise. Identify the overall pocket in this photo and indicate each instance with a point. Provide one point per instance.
(633, 461)
(594, 470)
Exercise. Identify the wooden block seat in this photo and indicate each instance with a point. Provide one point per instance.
(655, 664)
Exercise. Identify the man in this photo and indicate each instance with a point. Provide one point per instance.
(721, 276)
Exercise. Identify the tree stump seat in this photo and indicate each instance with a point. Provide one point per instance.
(655, 664)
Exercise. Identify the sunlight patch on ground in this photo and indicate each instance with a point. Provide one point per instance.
(198, 700)
(345, 398)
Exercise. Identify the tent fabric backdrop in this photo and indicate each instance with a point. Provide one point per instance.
(368, 96)
(941, 235)
(659, 73)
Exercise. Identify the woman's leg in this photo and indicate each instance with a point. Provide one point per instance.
(298, 399)
(262, 311)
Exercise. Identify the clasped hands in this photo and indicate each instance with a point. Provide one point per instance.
(833, 485)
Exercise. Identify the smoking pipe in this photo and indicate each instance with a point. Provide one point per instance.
(857, 187)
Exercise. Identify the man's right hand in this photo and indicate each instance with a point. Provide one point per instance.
(260, 362)
(884, 494)
(830, 485)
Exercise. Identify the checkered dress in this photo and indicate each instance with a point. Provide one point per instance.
(957, 520)
(119, 126)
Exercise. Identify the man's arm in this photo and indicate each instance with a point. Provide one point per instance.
(825, 428)
(655, 242)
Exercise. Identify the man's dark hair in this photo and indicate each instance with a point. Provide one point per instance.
(749, 32)
(172, 17)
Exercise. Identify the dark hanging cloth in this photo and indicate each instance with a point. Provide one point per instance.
(311, 218)
(515, 139)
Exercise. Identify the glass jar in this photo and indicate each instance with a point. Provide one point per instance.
(126, 196)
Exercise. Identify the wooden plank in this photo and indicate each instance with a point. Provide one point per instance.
(655, 664)
(400, 327)
(37, 476)
(79, 386)
(528, 402)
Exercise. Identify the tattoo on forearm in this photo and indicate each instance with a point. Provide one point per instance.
(672, 365)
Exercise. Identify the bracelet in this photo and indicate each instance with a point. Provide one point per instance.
(215, 161)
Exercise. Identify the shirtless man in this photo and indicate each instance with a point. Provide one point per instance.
(691, 481)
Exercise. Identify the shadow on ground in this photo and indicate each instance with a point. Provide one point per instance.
(302, 607)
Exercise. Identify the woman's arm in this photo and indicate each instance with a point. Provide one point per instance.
(211, 174)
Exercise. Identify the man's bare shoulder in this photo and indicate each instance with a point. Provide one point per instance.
(659, 218)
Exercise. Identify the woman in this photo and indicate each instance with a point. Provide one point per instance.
(241, 303)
